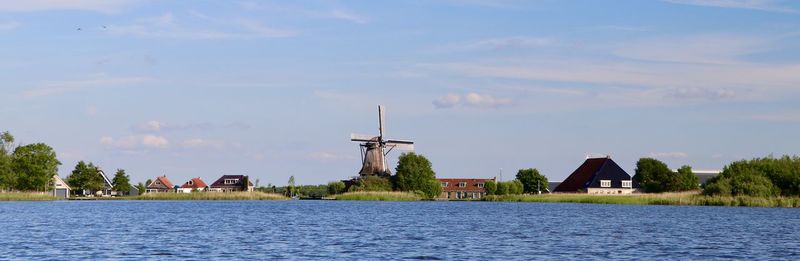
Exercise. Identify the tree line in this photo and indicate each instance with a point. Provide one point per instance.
(31, 167)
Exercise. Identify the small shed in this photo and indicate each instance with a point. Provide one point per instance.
(60, 188)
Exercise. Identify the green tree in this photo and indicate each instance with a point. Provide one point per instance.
(490, 186)
(653, 175)
(122, 183)
(290, 191)
(8, 178)
(335, 187)
(35, 165)
(85, 177)
(142, 188)
(415, 173)
(688, 180)
(502, 188)
(516, 187)
(532, 180)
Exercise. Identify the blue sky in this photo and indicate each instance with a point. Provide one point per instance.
(273, 89)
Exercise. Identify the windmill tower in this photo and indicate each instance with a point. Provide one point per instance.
(375, 148)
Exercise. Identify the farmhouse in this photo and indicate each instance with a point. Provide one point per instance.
(461, 188)
(597, 176)
(160, 184)
(228, 183)
(195, 184)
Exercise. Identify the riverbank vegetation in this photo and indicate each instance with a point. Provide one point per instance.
(380, 196)
(210, 196)
(760, 177)
(692, 198)
(25, 196)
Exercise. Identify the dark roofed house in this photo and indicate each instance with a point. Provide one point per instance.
(160, 184)
(597, 176)
(195, 184)
(228, 183)
(463, 188)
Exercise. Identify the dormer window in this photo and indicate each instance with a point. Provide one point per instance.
(605, 183)
(191, 182)
(462, 184)
(480, 185)
(444, 184)
(157, 182)
(230, 181)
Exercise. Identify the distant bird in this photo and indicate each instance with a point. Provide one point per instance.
(104, 27)
(79, 28)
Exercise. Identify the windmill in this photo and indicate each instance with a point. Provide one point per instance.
(375, 148)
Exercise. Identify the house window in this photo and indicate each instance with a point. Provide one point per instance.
(444, 184)
(230, 181)
(605, 183)
(626, 183)
(157, 182)
(480, 185)
(191, 182)
(462, 184)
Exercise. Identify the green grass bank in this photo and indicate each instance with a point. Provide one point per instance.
(210, 196)
(379, 196)
(678, 199)
(25, 196)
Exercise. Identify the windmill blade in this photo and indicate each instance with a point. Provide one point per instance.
(381, 120)
(399, 141)
(401, 146)
(361, 137)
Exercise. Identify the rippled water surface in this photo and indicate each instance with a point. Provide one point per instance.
(391, 230)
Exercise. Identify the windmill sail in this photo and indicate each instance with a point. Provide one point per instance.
(374, 148)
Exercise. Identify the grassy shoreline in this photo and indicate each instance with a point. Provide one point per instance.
(26, 196)
(379, 196)
(674, 199)
(209, 196)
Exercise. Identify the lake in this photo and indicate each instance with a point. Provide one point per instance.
(391, 230)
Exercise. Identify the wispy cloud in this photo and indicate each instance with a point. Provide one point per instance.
(348, 15)
(101, 81)
(195, 143)
(471, 100)
(135, 142)
(102, 6)
(198, 26)
(497, 44)
(153, 126)
(669, 154)
(760, 5)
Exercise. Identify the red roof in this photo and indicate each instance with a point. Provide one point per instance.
(195, 183)
(164, 180)
(470, 185)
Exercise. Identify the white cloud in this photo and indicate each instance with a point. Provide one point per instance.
(472, 100)
(149, 126)
(135, 142)
(101, 81)
(348, 16)
(760, 5)
(671, 154)
(707, 48)
(198, 26)
(102, 6)
(448, 101)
